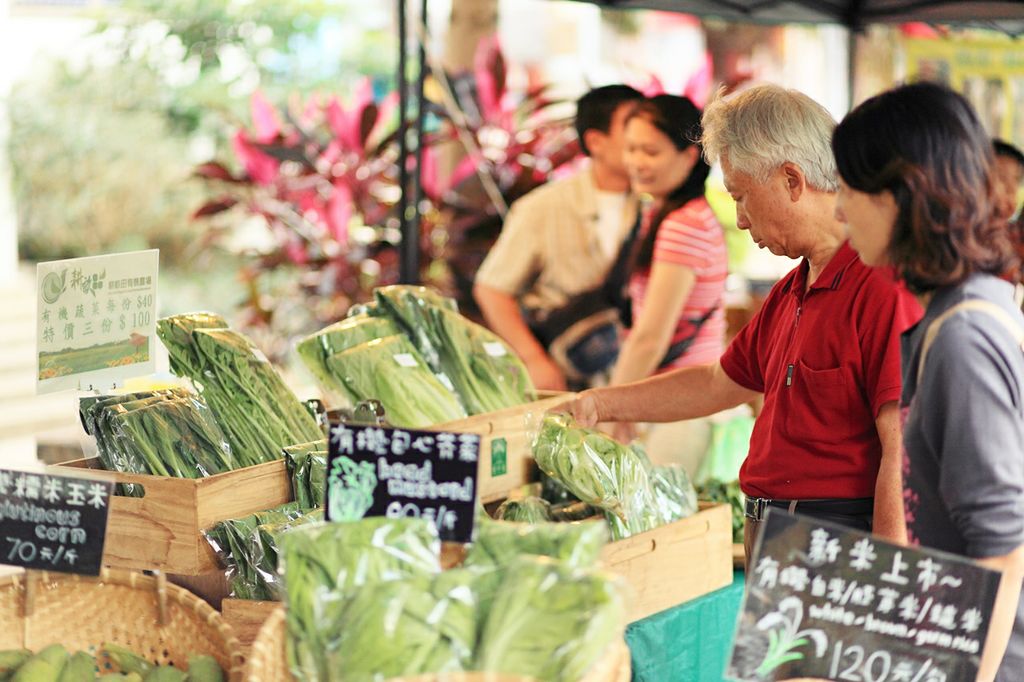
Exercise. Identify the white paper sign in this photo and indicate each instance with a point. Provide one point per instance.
(406, 360)
(95, 320)
(495, 349)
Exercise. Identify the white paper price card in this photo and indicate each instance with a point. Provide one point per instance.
(495, 349)
(96, 320)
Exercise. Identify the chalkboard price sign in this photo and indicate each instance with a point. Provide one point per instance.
(381, 471)
(53, 523)
(826, 602)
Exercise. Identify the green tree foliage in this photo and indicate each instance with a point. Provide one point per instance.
(103, 151)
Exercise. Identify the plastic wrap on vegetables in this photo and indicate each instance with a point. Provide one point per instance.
(573, 511)
(176, 438)
(257, 412)
(393, 372)
(674, 492)
(163, 433)
(236, 543)
(267, 553)
(499, 543)
(322, 564)
(410, 306)
(486, 373)
(176, 333)
(340, 336)
(554, 491)
(307, 469)
(720, 491)
(599, 471)
(94, 412)
(527, 510)
(420, 625)
(550, 621)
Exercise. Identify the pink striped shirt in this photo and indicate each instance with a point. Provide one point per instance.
(691, 236)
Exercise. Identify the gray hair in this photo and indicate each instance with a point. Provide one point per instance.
(764, 127)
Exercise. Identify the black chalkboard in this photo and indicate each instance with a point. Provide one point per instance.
(382, 471)
(53, 523)
(823, 601)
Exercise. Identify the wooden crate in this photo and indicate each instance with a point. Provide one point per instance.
(506, 459)
(163, 529)
(246, 617)
(676, 562)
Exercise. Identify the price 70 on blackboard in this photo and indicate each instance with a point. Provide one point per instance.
(53, 523)
(826, 602)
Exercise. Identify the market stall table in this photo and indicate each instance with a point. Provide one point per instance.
(689, 642)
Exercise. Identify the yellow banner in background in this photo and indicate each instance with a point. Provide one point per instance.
(989, 73)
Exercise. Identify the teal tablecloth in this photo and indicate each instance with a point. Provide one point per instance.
(687, 643)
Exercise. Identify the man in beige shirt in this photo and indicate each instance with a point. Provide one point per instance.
(560, 240)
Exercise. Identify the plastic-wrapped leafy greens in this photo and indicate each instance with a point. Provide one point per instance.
(487, 374)
(176, 333)
(573, 511)
(424, 624)
(719, 491)
(267, 551)
(550, 621)
(676, 496)
(526, 510)
(500, 542)
(340, 336)
(257, 412)
(324, 563)
(393, 372)
(161, 433)
(599, 471)
(176, 437)
(236, 543)
(552, 490)
(95, 411)
(307, 468)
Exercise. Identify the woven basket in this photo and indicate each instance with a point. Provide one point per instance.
(160, 622)
(269, 663)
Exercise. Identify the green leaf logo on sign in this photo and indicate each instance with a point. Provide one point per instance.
(499, 457)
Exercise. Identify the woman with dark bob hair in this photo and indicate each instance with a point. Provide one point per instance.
(917, 194)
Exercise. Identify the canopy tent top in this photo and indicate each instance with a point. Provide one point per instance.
(1007, 15)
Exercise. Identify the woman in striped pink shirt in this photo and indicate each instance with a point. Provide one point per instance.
(680, 263)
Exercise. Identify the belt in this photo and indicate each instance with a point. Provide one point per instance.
(754, 507)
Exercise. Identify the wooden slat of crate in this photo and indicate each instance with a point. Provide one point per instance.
(515, 426)
(163, 529)
(676, 562)
(246, 617)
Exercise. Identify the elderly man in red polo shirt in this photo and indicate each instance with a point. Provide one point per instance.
(824, 349)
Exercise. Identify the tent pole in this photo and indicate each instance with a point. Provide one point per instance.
(405, 276)
(411, 249)
(851, 67)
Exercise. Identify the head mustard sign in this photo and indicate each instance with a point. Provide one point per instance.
(381, 471)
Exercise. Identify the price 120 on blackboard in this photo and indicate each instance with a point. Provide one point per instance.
(827, 602)
(53, 523)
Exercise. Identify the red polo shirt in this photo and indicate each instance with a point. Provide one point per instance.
(826, 359)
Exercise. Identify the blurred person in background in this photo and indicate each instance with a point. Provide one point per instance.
(679, 262)
(542, 286)
(824, 348)
(1009, 176)
(917, 195)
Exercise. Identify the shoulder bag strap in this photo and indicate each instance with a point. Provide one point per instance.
(980, 305)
